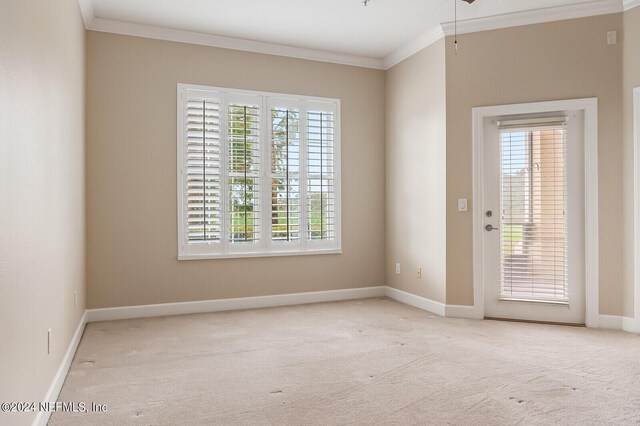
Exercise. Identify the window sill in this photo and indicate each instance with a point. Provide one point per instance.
(265, 254)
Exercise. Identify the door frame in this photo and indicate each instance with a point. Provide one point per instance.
(590, 108)
(635, 327)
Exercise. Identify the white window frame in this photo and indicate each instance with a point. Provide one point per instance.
(265, 247)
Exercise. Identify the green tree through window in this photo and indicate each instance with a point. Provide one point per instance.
(285, 179)
(243, 163)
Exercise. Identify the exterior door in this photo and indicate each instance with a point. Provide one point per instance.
(533, 237)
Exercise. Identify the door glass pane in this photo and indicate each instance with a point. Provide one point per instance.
(533, 231)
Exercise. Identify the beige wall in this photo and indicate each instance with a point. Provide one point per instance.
(415, 158)
(42, 201)
(558, 60)
(631, 79)
(131, 173)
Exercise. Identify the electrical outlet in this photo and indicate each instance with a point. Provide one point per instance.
(75, 298)
(419, 273)
(49, 341)
(397, 268)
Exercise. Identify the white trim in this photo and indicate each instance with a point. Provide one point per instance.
(414, 46)
(630, 325)
(478, 219)
(265, 247)
(257, 254)
(147, 311)
(86, 8)
(535, 16)
(423, 303)
(192, 37)
(507, 20)
(610, 322)
(463, 311)
(636, 204)
(616, 322)
(592, 208)
(42, 418)
(219, 305)
(630, 4)
(236, 91)
(590, 108)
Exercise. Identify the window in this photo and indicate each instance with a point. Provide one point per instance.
(258, 174)
(533, 204)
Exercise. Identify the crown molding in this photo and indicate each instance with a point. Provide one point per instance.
(536, 16)
(169, 34)
(86, 8)
(414, 46)
(630, 4)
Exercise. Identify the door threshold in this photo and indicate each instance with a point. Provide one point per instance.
(566, 324)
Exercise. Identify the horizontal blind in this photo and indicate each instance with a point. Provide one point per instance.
(320, 175)
(285, 174)
(533, 230)
(203, 171)
(243, 153)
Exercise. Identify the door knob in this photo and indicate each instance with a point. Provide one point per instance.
(490, 228)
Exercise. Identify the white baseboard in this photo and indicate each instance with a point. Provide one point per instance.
(181, 308)
(203, 306)
(438, 308)
(42, 418)
(615, 322)
(631, 325)
(463, 311)
(610, 322)
(423, 303)
(107, 314)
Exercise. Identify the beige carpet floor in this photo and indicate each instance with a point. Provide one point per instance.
(363, 362)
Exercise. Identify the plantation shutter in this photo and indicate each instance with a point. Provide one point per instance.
(243, 171)
(285, 174)
(203, 210)
(258, 173)
(533, 231)
(320, 175)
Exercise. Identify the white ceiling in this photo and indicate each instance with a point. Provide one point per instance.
(339, 26)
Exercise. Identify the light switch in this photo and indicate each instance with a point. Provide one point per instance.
(462, 204)
(612, 37)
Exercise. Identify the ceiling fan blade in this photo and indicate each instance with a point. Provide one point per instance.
(469, 1)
